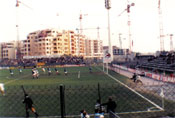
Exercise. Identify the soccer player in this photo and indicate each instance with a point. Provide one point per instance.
(56, 70)
(134, 77)
(36, 73)
(33, 71)
(43, 69)
(2, 89)
(90, 69)
(65, 71)
(20, 70)
(49, 71)
(11, 72)
(29, 106)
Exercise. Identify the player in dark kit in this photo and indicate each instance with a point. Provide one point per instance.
(90, 69)
(65, 71)
(11, 72)
(29, 106)
(49, 71)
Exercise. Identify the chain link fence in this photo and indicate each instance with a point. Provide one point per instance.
(147, 101)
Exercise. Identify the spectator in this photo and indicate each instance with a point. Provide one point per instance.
(97, 105)
(84, 114)
(29, 106)
(111, 106)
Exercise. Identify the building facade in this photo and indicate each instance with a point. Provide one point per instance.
(93, 48)
(52, 42)
(8, 50)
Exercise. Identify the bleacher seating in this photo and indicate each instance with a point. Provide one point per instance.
(164, 62)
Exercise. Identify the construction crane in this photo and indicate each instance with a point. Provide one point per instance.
(80, 18)
(98, 30)
(129, 23)
(171, 41)
(161, 26)
(18, 45)
(120, 40)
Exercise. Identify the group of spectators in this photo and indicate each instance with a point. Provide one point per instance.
(100, 109)
(47, 61)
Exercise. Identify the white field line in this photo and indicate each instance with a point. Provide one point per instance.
(133, 91)
(15, 80)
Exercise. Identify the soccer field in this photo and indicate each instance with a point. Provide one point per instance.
(81, 92)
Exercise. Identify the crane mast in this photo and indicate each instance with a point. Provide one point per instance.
(129, 24)
(18, 52)
(161, 27)
(120, 41)
(171, 42)
(80, 18)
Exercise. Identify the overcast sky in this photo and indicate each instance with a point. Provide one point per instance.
(64, 14)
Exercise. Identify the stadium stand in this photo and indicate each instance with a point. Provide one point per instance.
(47, 61)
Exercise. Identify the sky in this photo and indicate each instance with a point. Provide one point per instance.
(33, 15)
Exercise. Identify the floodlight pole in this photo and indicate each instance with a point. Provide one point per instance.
(108, 6)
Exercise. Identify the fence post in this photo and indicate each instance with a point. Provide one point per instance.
(99, 96)
(62, 101)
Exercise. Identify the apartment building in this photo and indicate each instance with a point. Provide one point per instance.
(93, 48)
(8, 50)
(53, 42)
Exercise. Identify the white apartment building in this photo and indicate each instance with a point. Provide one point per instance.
(8, 50)
(93, 48)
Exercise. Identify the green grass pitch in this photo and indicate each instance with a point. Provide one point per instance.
(80, 92)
